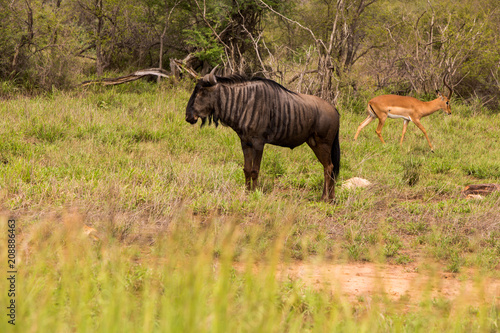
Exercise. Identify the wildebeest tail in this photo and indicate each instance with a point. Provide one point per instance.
(335, 154)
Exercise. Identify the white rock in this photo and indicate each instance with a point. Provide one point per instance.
(475, 196)
(355, 182)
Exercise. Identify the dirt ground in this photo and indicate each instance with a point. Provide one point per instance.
(409, 283)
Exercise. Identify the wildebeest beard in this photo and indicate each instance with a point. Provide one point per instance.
(211, 118)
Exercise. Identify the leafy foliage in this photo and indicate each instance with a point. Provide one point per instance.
(207, 48)
(327, 48)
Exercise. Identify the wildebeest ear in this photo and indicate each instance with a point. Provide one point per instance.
(210, 78)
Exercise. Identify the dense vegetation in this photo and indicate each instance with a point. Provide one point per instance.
(322, 47)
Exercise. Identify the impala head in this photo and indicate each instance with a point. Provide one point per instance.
(202, 101)
(446, 104)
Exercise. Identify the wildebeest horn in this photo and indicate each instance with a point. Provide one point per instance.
(210, 78)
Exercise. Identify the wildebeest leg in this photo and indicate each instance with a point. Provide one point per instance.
(252, 154)
(323, 153)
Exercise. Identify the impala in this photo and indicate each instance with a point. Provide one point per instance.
(406, 108)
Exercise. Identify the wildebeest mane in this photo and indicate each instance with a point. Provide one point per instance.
(240, 79)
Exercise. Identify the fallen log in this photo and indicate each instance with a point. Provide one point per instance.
(480, 189)
(128, 78)
(176, 66)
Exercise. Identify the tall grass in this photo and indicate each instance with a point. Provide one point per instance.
(68, 282)
(166, 195)
(126, 154)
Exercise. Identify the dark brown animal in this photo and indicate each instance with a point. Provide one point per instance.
(261, 111)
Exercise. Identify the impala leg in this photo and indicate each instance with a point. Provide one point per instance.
(419, 125)
(405, 125)
(381, 122)
(365, 122)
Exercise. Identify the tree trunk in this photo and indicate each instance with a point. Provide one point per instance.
(99, 57)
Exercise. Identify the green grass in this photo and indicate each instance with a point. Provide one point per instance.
(67, 282)
(165, 195)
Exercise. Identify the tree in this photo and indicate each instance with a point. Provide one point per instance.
(321, 47)
(342, 44)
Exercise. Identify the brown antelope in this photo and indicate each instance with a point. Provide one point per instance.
(405, 107)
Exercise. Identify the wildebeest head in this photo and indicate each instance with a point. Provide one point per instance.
(202, 101)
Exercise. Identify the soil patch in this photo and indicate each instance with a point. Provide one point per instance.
(362, 281)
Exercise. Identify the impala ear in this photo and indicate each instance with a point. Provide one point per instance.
(439, 93)
(210, 78)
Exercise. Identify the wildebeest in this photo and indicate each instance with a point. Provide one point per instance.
(262, 111)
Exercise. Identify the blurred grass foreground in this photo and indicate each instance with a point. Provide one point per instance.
(195, 278)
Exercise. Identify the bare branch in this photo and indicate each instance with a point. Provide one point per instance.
(294, 22)
(204, 11)
(255, 45)
(127, 78)
(296, 76)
